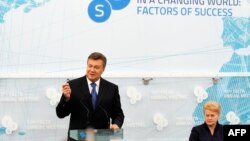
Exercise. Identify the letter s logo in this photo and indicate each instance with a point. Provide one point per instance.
(100, 10)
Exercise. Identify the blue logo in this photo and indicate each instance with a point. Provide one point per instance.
(100, 10)
(82, 135)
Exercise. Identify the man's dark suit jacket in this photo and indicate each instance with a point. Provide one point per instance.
(80, 107)
(202, 133)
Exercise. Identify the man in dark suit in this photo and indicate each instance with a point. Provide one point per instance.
(91, 101)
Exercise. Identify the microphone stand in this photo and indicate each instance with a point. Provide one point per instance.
(88, 123)
(106, 114)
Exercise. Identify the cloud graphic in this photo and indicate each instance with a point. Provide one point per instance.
(134, 95)
(160, 121)
(232, 118)
(53, 95)
(9, 124)
(200, 93)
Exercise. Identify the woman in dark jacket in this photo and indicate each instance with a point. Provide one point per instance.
(211, 129)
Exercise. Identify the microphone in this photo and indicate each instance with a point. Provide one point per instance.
(106, 114)
(87, 112)
(67, 80)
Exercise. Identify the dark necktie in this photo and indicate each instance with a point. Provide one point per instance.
(93, 94)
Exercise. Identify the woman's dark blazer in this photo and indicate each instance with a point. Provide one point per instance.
(202, 133)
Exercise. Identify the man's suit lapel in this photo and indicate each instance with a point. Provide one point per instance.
(101, 93)
(84, 90)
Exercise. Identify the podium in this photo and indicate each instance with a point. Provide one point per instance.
(96, 134)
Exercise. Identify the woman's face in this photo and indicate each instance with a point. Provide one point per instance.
(211, 117)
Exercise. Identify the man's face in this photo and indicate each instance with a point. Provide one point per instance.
(94, 70)
(211, 117)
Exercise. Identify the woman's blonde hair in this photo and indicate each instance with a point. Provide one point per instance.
(212, 106)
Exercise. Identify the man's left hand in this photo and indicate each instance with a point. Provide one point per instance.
(114, 127)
